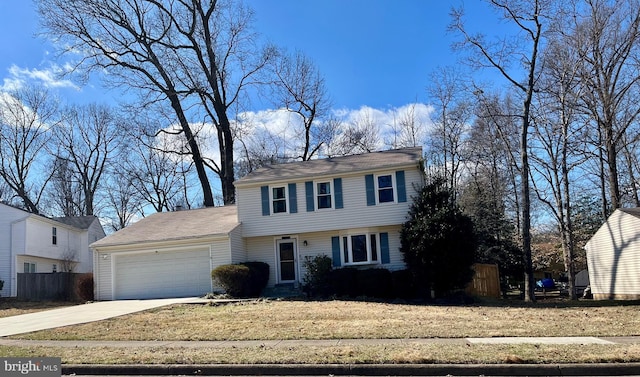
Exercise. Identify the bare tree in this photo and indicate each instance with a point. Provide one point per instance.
(300, 89)
(559, 144)
(494, 154)
(198, 56)
(453, 113)
(157, 176)
(527, 16)
(65, 192)
(606, 35)
(359, 135)
(630, 154)
(123, 199)
(26, 118)
(407, 129)
(86, 140)
(68, 260)
(260, 147)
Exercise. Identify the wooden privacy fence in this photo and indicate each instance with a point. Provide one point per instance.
(48, 286)
(486, 281)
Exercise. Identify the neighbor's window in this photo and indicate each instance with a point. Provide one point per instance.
(54, 235)
(385, 188)
(360, 248)
(323, 194)
(29, 268)
(279, 199)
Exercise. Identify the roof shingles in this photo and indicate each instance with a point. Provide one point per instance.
(333, 165)
(178, 225)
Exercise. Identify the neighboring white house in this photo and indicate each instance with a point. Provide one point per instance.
(31, 243)
(613, 257)
(350, 208)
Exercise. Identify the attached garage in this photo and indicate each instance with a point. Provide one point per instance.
(165, 255)
(162, 274)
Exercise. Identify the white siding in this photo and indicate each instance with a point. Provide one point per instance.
(355, 213)
(162, 274)
(11, 237)
(613, 257)
(220, 255)
(43, 265)
(5, 272)
(40, 243)
(263, 249)
(317, 244)
(238, 250)
(103, 276)
(86, 238)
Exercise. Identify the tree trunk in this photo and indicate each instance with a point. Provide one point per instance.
(568, 239)
(630, 170)
(195, 150)
(604, 204)
(612, 163)
(529, 284)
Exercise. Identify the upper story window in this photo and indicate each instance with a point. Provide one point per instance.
(323, 195)
(279, 199)
(385, 188)
(360, 248)
(54, 235)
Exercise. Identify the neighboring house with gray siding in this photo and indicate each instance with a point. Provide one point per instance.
(350, 208)
(613, 257)
(31, 243)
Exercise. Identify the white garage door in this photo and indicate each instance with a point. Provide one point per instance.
(162, 274)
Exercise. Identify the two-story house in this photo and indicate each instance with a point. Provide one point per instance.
(350, 208)
(31, 243)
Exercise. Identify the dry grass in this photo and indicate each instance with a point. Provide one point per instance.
(383, 354)
(10, 306)
(268, 320)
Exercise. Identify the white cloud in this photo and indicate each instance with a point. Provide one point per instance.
(19, 77)
(282, 128)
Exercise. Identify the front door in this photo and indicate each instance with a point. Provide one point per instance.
(286, 253)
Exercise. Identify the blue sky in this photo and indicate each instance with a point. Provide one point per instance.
(374, 53)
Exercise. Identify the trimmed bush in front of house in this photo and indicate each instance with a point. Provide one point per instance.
(246, 279)
(316, 280)
(258, 277)
(343, 282)
(402, 284)
(322, 280)
(374, 282)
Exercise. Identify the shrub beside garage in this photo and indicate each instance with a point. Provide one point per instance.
(246, 279)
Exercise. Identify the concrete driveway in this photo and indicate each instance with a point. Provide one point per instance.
(77, 314)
